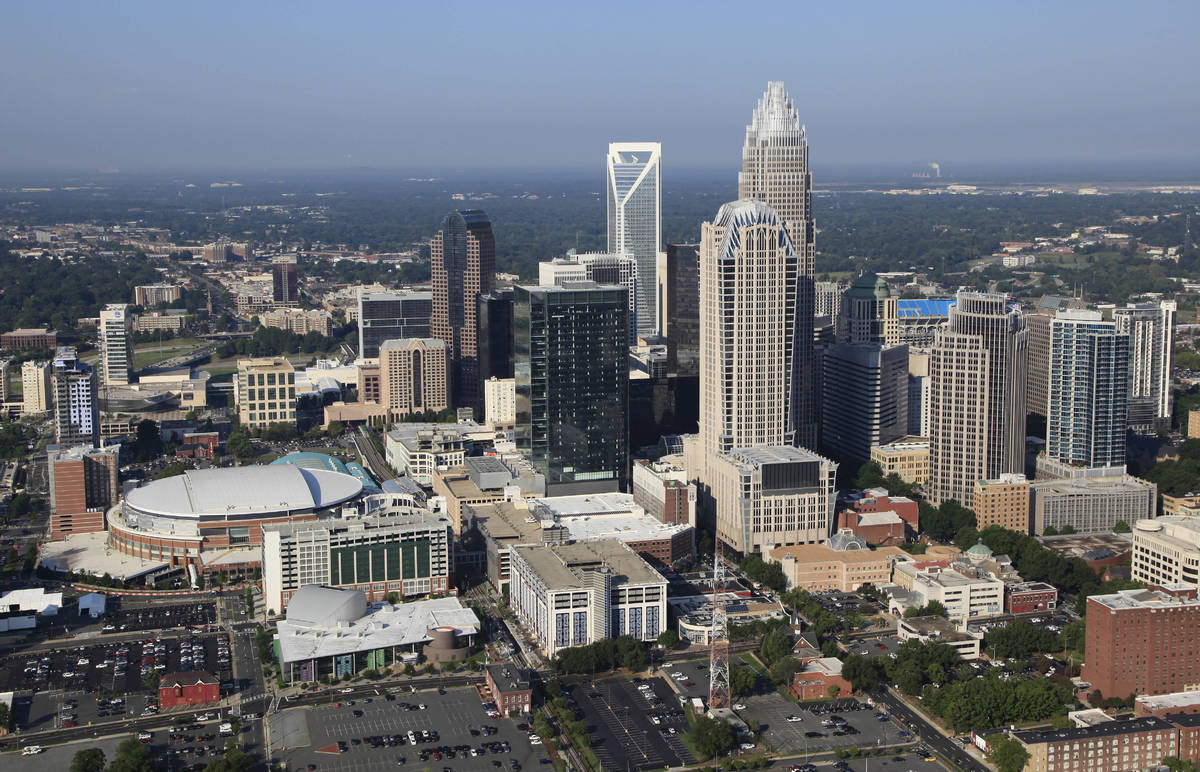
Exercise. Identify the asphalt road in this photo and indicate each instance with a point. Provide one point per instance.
(943, 745)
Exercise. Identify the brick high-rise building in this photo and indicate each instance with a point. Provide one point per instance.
(463, 267)
(1143, 641)
(285, 281)
(83, 485)
(1004, 502)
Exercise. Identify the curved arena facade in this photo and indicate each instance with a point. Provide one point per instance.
(210, 511)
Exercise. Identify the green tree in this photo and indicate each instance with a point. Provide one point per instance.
(88, 760)
(863, 673)
(710, 737)
(5, 716)
(234, 760)
(775, 646)
(668, 639)
(1007, 754)
(1073, 635)
(1020, 640)
(151, 680)
(741, 680)
(1121, 527)
(933, 608)
(131, 756)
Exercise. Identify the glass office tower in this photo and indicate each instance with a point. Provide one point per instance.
(572, 382)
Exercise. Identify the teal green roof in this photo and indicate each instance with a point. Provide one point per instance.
(980, 550)
(311, 460)
(868, 286)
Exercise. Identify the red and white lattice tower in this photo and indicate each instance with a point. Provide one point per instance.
(718, 664)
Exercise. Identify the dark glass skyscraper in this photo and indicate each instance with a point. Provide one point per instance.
(391, 316)
(285, 281)
(572, 379)
(682, 319)
(496, 334)
(462, 260)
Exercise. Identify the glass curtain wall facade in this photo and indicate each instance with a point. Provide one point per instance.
(572, 384)
(1087, 384)
(635, 218)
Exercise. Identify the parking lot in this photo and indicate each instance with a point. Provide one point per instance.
(362, 734)
(105, 681)
(695, 672)
(811, 728)
(875, 647)
(638, 724)
(133, 614)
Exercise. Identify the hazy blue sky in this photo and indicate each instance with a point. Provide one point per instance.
(436, 84)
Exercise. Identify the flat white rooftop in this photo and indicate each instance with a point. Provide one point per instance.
(384, 626)
(89, 553)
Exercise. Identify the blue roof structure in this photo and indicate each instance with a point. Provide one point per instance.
(908, 308)
(310, 460)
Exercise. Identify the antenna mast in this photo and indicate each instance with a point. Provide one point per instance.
(718, 663)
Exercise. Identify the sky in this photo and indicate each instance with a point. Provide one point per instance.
(429, 85)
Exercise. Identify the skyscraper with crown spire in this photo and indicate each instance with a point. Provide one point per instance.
(775, 171)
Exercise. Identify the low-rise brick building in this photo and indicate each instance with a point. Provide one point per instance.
(510, 688)
(1027, 597)
(186, 689)
(819, 678)
(1141, 743)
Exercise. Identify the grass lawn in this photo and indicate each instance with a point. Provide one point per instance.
(144, 357)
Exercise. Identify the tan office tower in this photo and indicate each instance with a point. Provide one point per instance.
(116, 346)
(35, 388)
(265, 392)
(775, 170)
(868, 313)
(412, 376)
(977, 371)
(463, 267)
(748, 333)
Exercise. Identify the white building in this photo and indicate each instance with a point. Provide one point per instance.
(404, 554)
(768, 497)
(416, 450)
(1092, 504)
(635, 218)
(500, 401)
(577, 594)
(1166, 550)
(1151, 330)
(966, 592)
(35, 387)
(116, 347)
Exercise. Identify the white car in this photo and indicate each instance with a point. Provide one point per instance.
(535, 742)
(793, 719)
(739, 706)
(347, 690)
(678, 675)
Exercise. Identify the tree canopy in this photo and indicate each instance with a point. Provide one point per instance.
(710, 737)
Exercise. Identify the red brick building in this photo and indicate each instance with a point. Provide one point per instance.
(886, 528)
(878, 500)
(83, 485)
(181, 690)
(510, 689)
(1143, 641)
(1163, 705)
(818, 675)
(198, 445)
(1027, 597)
(29, 339)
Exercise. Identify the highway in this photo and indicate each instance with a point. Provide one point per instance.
(940, 743)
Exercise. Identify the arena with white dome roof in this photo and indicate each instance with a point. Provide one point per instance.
(213, 517)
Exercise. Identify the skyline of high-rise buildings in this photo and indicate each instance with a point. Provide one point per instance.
(634, 196)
